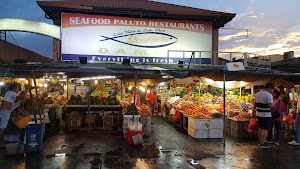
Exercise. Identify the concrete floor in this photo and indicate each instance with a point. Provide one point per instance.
(168, 147)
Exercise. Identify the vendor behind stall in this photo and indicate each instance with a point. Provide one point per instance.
(9, 103)
(137, 97)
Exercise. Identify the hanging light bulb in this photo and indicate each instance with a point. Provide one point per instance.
(65, 87)
(96, 81)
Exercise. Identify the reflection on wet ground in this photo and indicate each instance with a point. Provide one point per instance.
(168, 147)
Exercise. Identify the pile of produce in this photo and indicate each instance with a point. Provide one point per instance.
(242, 117)
(131, 110)
(144, 110)
(196, 111)
(101, 91)
(125, 103)
(76, 100)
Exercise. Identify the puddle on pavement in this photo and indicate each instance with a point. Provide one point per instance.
(96, 162)
(62, 146)
(77, 148)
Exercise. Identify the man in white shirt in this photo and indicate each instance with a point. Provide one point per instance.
(263, 103)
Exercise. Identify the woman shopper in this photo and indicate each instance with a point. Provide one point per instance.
(9, 103)
(277, 114)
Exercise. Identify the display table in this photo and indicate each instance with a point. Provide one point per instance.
(102, 117)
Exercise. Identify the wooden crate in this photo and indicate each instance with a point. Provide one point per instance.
(238, 133)
(108, 122)
(228, 130)
(75, 120)
(239, 124)
(228, 122)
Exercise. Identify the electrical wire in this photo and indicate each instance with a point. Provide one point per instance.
(13, 38)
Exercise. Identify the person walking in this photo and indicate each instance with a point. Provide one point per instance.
(277, 114)
(151, 101)
(263, 102)
(9, 103)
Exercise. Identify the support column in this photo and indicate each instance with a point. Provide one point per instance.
(56, 44)
(215, 45)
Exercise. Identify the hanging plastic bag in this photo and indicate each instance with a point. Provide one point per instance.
(291, 122)
(285, 118)
(253, 124)
(21, 122)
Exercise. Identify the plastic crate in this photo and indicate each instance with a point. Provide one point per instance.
(198, 133)
(216, 123)
(198, 123)
(216, 133)
(131, 118)
(239, 133)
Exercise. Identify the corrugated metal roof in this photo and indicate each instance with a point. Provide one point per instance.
(135, 5)
(144, 8)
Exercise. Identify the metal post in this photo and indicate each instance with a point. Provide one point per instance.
(37, 97)
(224, 107)
(89, 104)
(121, 90)
(134, 94)
(67, 87)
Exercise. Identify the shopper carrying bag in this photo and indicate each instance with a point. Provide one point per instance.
(277, 115)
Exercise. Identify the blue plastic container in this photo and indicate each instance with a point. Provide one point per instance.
(34, 138)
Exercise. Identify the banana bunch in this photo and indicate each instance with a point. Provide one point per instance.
(207, 96)
(247, 98)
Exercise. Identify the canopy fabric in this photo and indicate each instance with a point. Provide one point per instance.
(148, 82)
(275, 81)
(188, 80)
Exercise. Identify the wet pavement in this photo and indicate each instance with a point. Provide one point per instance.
(168, 147)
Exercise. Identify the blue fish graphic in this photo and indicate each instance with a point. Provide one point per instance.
(165, 36)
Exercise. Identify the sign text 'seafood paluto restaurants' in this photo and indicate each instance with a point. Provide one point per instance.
(111, 38)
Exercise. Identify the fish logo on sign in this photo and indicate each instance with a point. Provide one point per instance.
(144, 40)
(33, 136)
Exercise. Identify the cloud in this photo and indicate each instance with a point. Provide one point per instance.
(233, 36)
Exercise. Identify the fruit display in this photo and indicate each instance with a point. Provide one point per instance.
(76, 100)
(125, 103)
(144, 109)
(131, 110)
(196, 111)
(242, 117)
(101, 91)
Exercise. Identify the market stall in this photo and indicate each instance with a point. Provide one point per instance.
(194, 111)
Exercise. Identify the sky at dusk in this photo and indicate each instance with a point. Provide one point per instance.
(273, 25)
